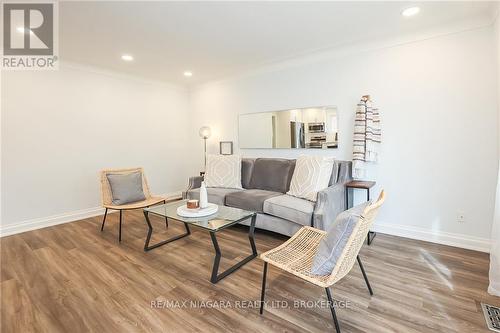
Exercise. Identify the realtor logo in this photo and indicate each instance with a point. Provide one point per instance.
(29, 36)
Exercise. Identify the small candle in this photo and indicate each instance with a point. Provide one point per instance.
(192, 204)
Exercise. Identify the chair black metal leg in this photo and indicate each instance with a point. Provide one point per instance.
(263, 292)
(332, 308)
(104, 219)
(120, 229)
(370, 236)
(364, 275)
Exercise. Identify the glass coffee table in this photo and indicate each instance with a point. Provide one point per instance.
(224, 218)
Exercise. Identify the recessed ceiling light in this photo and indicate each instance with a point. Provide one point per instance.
(127, 57)
(188, 73)
(410, 11)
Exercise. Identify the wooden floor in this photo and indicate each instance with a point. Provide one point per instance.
(73, 278)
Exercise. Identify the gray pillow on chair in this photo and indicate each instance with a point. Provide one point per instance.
(126, 188)
(333, 244)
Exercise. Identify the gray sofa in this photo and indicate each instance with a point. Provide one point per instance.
(265, 182)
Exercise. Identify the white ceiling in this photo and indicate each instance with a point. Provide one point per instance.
(218, 39)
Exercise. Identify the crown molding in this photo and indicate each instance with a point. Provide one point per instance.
(120, 75)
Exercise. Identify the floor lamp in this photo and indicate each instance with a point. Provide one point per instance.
(205, 134)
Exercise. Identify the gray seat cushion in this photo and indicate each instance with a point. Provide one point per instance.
(216, 195)
(272, 174)
(126, 188)
(290, 208)
(252, 200)
(333, 244)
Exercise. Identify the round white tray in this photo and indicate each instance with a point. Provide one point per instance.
(197, 212)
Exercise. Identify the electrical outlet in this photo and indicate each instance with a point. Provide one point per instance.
(460, 217)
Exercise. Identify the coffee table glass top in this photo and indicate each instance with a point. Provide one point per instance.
(225, 216)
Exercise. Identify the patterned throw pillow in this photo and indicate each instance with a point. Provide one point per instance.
(223, 171)
(311, 174)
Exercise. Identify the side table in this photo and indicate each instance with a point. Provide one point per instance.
(363, 185)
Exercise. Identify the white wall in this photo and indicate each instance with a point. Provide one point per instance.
(438, 103)
(494, 287)
(497, 43)
(59, 128)
(260, 135)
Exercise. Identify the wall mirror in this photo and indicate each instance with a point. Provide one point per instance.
(306, 128)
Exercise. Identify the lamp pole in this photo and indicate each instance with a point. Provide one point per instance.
(205, 132)
(205, 140)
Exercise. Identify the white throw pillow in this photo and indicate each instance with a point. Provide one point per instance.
(311, 174)
(223, 171)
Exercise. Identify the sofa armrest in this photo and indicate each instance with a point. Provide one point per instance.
(194, 182)
(329, 204)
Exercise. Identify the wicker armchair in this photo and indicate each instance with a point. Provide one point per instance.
(296, 256)
(107, 198)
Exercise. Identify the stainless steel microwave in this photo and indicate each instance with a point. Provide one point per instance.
(316, 127)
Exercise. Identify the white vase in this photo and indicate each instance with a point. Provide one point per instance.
(203, 196)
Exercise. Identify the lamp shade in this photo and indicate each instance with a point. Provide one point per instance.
(205, 132)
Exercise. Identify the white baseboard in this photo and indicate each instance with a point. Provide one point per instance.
(439, 237)
(493, 291)
(38, 223)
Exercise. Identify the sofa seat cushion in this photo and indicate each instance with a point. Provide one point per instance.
(290, 208)
(252, 200)
(216, 195)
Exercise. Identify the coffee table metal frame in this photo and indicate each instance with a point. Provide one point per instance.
(215, 277)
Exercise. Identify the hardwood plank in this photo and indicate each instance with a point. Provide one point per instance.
(73, 277)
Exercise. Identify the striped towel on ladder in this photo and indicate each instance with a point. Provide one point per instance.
(367, 136)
